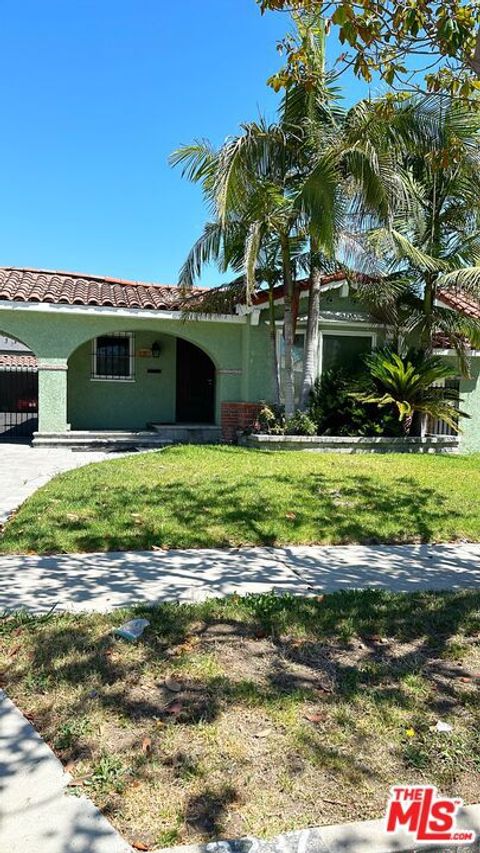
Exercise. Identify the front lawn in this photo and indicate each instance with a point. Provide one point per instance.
(255, 716)
(218, 496)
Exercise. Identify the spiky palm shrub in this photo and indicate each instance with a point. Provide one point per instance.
(411, 385)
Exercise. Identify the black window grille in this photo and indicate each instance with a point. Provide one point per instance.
(113, 357)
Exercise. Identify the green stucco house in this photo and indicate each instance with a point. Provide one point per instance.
(105, 355)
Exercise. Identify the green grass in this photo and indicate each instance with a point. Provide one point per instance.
(220, 496)
(288, 712)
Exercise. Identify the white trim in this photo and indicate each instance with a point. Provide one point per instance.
(116, 379)
(100, 377)
(473, 353)
(106, 311)
(45, 365)
(355, 321)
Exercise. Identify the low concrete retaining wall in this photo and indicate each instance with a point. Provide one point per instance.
(354, 444)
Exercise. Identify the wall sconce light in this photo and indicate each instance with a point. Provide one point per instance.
(156, 350)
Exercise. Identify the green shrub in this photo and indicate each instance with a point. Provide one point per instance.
(271, 420)
(409, 385)
(300, 424)
(336, 412)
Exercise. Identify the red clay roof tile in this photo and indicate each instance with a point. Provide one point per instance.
(460, 301)
(8, 361)
(62, 288)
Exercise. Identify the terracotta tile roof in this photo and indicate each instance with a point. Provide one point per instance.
(8, 361)
(63, 288)
(460, 301)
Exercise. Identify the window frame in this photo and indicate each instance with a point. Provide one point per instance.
(100, 377)
(346, 333)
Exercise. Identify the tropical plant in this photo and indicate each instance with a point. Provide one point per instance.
(255, 179)
(423, 157)
(411, 385)
(311, 110)
(336, 412)
(278, 185)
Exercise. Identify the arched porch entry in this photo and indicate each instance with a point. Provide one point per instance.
(18, 389)
(131, 380)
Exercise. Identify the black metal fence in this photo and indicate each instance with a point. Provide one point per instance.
(18, 402)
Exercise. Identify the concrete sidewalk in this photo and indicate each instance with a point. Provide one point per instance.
(36, 813)
(99, 582)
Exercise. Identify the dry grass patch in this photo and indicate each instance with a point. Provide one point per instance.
(257, 715)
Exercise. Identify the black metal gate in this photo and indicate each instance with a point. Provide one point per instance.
(18, 401)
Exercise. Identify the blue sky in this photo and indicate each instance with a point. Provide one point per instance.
(94, 96)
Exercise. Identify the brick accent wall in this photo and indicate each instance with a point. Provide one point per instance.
(237, 416)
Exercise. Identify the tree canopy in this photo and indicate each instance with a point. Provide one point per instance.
(420, 44)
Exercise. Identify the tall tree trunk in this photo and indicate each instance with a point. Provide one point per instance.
(419, 426)
(428, 306)
(310, 363)
(288, 325)
(273, 340)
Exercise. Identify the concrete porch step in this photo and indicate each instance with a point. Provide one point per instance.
(187, 433)
(101, 440)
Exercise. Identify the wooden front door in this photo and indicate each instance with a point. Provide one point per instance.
(195, 385)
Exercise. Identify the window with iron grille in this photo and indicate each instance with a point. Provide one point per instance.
(113, 357)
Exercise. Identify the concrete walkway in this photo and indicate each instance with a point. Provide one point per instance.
(99, 582)
(36, 813)
(23, 469)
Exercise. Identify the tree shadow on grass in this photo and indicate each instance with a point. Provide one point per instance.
(264, 510)
(341, 651)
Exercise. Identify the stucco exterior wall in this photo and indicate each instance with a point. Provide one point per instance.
(240, 351)
(63, 337)
(470, 395)
(115, 404)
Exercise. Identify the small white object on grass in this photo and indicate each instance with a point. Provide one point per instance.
(132, 630)
(443, 727)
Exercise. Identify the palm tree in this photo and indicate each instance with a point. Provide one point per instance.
(246, 182)
(280, 182)
(421, 171)
(310, 112)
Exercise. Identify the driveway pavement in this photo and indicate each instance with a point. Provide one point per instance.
(99, 582)
(23, 469)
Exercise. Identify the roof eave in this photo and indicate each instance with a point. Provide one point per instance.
(104, 310)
